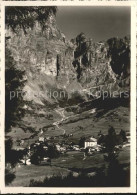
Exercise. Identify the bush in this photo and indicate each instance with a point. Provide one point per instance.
(100, 179)
(9, 176)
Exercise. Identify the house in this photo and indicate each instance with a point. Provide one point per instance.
(90, 142)
(62, 149)
(19, 148)
(21, 142)
(48, 138)
(37, 143)
(75, 174)
(45, 148)
(58, 147)
(76, 147)
(41, 139)
(45, 161)
(41, 131)
(25, 161)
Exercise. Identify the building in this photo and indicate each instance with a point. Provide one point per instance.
(41, 139)
(90, 142)
(76, 147)
(45, 161)
(58, 147)
(25, 161)
(45, 148)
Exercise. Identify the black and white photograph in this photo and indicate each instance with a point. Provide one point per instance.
(67, 96)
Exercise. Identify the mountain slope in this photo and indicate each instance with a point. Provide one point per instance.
(67, 74)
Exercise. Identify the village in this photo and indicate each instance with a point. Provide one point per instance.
(45, 148)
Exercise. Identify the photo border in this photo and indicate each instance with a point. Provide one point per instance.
(52, 190)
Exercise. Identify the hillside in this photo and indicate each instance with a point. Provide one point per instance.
(69, 110)
(64, 74)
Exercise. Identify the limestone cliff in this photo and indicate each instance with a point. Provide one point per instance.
(45, 55)
(102, 64)
(51, 62)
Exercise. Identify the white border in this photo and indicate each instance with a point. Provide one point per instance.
(52, 190)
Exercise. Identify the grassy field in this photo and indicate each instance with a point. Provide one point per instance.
(84, 124)
(25, 173)
(63, 165)
(91, 125)
(76, 159)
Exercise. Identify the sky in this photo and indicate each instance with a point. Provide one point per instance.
(98, 23)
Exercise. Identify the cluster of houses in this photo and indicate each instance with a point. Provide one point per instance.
(61, 147)
(90, 146)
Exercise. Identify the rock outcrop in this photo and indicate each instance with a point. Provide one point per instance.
(102, 63)
(52, 62)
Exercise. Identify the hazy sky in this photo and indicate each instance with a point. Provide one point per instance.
(98, 23)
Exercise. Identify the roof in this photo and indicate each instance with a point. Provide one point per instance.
(91, 139)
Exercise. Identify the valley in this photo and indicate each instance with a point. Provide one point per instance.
(67, 102)
(86, 123)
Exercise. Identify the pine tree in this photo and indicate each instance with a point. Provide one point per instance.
(14, 83)
(26, 17)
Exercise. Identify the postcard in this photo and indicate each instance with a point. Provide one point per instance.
(68, 96)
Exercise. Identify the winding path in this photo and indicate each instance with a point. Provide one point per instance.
(60, 111)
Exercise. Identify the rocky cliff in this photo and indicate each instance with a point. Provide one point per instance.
(53, 63)
(102, 63)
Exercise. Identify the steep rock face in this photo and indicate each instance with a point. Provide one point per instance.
(102, 64)
(40, 48)
(53, 63)
(119, 53)
(45, 55)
